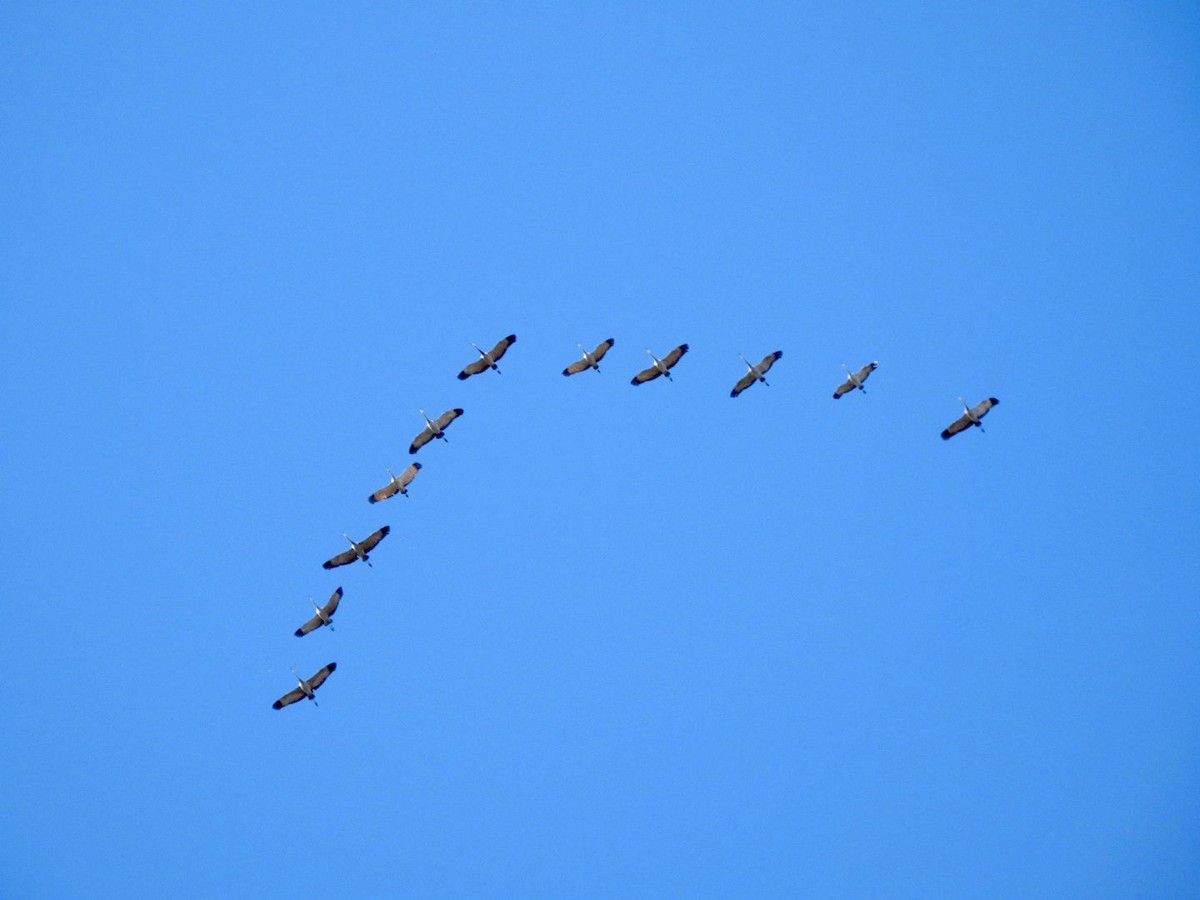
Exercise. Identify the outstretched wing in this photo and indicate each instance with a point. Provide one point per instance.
(447, 417)
(289, 698)
(346, 556)
(674, 356)
(866, 370)
(421, 440)
(962, 423)
(646, 375)
(502, 346)
(368, 543)
(319, 678)
(744, 382)
(984, 406)
(601, 349)
(576, 367)
(768, 361)
(844, 388)
(388, 490)
(311, 625)
(472, 369)
(331, 606)
(409, 474)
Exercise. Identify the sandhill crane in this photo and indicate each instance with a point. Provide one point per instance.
(434, 428)
(855, 379)
(398, 485)
(358, 549)
(590, 360)
(755, 373)
(971, 416)
(324, 614)
(305, 687)
(487, 360)
(661, 366)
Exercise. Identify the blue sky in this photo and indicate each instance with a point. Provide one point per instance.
(621, 641)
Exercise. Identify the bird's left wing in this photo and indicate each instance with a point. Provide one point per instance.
(331, 607)
(319, 678)
(368, 543)
(502, 346)
(675, 355)
(769, 360)
(447, 417)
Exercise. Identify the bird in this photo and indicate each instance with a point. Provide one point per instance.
(434, 428)
(755, 373)
(398, 485)
(487, 360)
(971, 416)
(324, 614)
(854, 379)
(305, 687)
(661, 366)
(358, 549)
(590, 360)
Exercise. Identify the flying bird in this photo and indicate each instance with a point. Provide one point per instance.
(972, 415)
(854, 379)
(590, 360)
(755, 373)
(358, 549)
(398, 485)
(304, 688)
(661, 366)
(434, 428)
(487, 360)
(324, 614)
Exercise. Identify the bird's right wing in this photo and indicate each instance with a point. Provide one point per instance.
(744, 382)
(601, 349)
(388, 490)
(319, 678)
(447, 417)
(960, 424)
(576, 367)
(311, 625)
(368, 543)
(844, 388)
(346, 556)
(331, 607)
(289, 698)
(674, 356)
(646, 375)
(421, 440)
(472, 369)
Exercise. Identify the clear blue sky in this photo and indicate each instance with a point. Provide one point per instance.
(621, 641)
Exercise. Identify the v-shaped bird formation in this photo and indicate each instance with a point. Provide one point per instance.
(435, 429)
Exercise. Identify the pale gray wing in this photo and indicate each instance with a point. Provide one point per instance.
(421, 440)
(866, 370)
(447, 417)
(346, 556)
(472, 369)
(601, 349)
(409, 474)
(502, 346)
(369, 542)
(289, 698)
(311, 625)
(744, 382)
(331, 607)
(984, 406)
(576, 367)
(959, 424)
(319, 678)
(674, 356)
(844, 388)
(388, 490)
(646, 375)
(768, 361)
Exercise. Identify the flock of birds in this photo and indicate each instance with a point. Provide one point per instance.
(435, 429)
